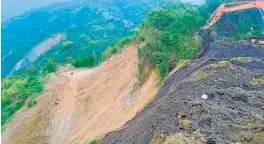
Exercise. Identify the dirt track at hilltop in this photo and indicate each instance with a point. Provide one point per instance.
(91, 103)
(64, 113)
(113, 97)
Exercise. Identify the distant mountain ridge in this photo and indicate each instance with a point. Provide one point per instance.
(114, 18)
(12, 8)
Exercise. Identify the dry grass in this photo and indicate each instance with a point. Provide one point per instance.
(246, 137)
(158, 139)
(185, 123)
(220, 64)
(180, 64)
(179, 138)
(242, 59)
(256, 82)
(259, 137)
(199, 75)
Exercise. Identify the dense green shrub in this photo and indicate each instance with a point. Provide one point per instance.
(87, 61)
(170, 35)
(16, 90)
(50, 67)
(218, 84)
(31, 102)
(95, 142)
(163, 70)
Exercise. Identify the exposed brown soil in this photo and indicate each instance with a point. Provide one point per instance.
(90, 103)
(29, 125)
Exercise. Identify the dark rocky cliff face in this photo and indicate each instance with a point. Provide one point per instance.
(218, 98)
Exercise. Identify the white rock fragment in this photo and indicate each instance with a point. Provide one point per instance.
(204, 96)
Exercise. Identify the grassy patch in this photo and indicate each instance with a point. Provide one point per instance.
(242, 59)
(218, 84)
(258, 137)
(220, 64)
(255, 82)
(108, 53)
(18, 90)
(111, 50)
(179, 138)
(31, 102)
(158, 139)
(95, 141)
(199, 75)
(67, 44)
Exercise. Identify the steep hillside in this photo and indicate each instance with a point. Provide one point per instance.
(81, 104)
(218, 98)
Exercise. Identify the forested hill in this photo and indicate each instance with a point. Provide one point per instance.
(86, 25)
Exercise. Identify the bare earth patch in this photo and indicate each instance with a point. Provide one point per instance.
(85, 105)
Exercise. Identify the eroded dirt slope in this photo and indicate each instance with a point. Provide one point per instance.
(90, 103)
(218, 98)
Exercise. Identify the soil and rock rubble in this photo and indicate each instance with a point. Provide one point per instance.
(232, 78)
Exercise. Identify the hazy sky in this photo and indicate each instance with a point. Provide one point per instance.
(195, 1)
(12, 8)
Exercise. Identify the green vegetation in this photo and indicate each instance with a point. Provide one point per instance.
(116, 47)
(218, 84)
(170, 35)
(95, 142)
(67, 44)
(108, 53)
(123, 42)
(31, 102)
(87, 61)
(50, 67)
(16, 90)
(256, 82)
(23, 88)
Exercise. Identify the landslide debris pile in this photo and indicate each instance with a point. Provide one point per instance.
(218, 98)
